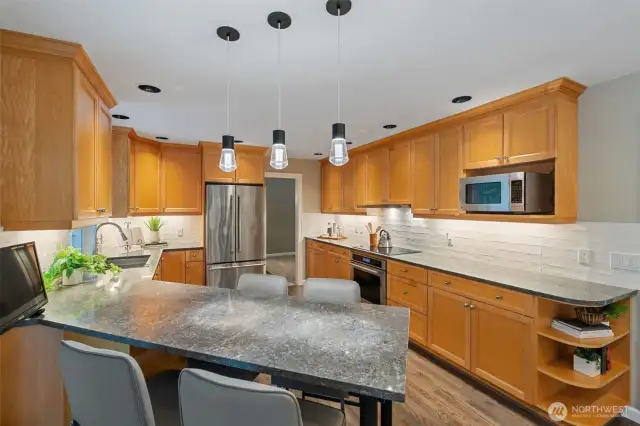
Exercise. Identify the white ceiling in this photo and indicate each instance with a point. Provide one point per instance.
(403, 60)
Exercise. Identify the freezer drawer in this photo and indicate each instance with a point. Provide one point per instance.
(226, 275)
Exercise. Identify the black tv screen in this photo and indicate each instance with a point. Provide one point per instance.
(22, 290)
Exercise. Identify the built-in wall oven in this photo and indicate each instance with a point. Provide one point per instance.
(371, 274)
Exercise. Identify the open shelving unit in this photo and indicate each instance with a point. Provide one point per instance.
(591, 401)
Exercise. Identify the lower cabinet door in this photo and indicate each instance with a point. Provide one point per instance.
(338, 267)
(173, 266)
(449, 326)
(194, 273)
(502, 349)
(417, 324)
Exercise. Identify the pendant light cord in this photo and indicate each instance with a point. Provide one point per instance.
(228, 86)
(279, 82)
(338, 63)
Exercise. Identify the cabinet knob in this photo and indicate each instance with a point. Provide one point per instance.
(336, 260)
(472, 306)
(404, 291)
(447, 282)
(498, 158)
(404, 270)
(498, 297)
(466, 305)
(505, 158)
(102, 210)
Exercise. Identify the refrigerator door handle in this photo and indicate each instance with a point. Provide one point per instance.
(239, 227)
(231, 204)
(234, 266)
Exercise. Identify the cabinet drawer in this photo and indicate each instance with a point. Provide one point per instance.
(340, 251)
(315, 245)
(403, 270)
(511, 300)
(417, 324)
(408, 293)
(195, 256)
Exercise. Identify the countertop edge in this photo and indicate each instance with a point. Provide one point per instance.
(587, 303)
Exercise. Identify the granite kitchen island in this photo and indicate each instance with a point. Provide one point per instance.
(357, 348)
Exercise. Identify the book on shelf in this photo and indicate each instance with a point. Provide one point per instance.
(578, 329)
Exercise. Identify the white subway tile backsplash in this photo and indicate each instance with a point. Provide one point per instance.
(550, 249)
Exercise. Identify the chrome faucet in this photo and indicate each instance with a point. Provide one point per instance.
(122, 234)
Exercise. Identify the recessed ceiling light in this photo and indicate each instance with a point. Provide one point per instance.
(461, 99)
(318, 153)
(349, 143)
(120, 116)
(390, 126)
(148, 88)
(162, 138)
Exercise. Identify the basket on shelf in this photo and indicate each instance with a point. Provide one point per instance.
(590, 316)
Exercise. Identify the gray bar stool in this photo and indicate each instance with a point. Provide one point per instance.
(324, 290)
(107, 388)
(208, 398)
(263, 285)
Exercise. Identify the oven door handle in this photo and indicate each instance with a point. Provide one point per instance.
(366, 269)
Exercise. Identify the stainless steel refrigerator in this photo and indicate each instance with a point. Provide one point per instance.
(235, 227)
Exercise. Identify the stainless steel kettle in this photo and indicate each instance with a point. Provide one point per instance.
(385, 240)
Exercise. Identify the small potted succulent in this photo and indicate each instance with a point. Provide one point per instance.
(586, 361)
(70, 266)
(154, 224)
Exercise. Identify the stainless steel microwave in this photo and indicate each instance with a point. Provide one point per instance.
(520, 192)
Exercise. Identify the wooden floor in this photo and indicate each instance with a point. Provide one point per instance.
(437, 397)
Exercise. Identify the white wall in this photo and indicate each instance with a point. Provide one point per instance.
(46, 242)
(192, 229)
(609, 151)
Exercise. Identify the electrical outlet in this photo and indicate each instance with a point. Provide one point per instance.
(180, 232)
(627, 262)
(584, 256)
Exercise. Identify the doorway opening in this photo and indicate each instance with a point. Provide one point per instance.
(283, 221)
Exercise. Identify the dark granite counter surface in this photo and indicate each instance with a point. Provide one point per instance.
(359, 348)
(568, 290)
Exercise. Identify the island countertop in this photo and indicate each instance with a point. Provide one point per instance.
(566, 290)
(359, 348)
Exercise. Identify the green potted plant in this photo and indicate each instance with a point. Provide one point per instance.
(154, 224)
(586, 361)
(70, 264)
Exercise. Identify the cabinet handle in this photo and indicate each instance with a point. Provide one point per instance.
(472, 306)
(498, 297)
(101, 210)
(447, 282)
(404, 270)
(505, 158)
(466, 305)
(498, 158)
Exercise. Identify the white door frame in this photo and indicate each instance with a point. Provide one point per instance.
(298, 225)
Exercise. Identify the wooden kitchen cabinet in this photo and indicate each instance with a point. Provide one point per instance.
(375, 188)
(340, 186)
(181, 179)
(360, 165)
(482, 146)
(530, 133)
(173, 266)
(195, 273)
(55, 163)
(423, 198)
(338, 267)
(417, 324)
(146, 177)
(317, 261)
(448, 171)
(502, 348)
(348, 186)
(399, 173)
(449, 326)
(249, 162)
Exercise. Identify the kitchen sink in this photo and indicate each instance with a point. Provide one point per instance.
(127, 262)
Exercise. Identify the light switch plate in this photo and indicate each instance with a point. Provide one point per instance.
(584, 256)
(625, 261)
(180, 232)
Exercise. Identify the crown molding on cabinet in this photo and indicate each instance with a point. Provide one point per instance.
(74, 51)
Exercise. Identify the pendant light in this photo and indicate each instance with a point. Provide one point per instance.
(338, 156)
(279, 21)
(228, 154)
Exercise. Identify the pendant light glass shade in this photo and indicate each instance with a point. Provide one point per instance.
(228, 154)
(339, 156)
(279, 158)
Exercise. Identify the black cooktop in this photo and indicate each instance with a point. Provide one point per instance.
(386, 251)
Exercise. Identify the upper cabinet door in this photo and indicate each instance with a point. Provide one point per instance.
(348, 186)
(530, 133)
(104, 167)
(326, 187)
(399, 173)
(181, 180)
(211, 164)
(335, 187)
(423, 199)
(360, 164)
(86, 116)
(250, 167)
(376, 191)
(483, 142)
(448, 171)
(146, 178)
